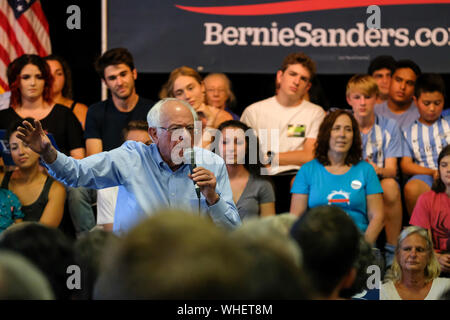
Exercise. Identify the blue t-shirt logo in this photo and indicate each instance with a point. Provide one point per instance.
(338, 197)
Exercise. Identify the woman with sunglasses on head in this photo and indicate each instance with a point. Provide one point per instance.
(338, 176)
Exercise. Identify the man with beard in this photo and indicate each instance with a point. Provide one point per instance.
(106, 119)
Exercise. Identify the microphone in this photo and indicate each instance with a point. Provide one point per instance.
(189, 156)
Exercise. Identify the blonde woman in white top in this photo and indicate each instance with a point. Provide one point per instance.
(414, 275)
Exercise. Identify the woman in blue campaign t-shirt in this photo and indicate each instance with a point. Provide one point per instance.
(339, 177)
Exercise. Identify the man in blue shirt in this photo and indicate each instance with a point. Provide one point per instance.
(150, 178)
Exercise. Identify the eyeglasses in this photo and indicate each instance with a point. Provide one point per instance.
(171, 130)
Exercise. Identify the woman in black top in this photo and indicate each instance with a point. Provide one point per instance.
(42, 197)
(62, 87)
(30, 82)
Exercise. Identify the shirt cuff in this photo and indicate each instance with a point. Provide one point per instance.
(58, 164)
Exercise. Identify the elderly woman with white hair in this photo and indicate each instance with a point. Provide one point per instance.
(414, 275)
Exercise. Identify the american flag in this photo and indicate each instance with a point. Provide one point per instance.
(23, 30)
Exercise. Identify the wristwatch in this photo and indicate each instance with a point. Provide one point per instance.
(218, 198)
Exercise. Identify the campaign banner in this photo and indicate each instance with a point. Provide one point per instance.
(249, 36)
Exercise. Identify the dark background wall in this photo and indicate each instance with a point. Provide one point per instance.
(81, 47)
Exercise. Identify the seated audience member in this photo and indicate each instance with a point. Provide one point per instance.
(186, 84)
(106, 119)
(400, 105)
(47, 248)
(287, 124)
(268, 240)
(338, 176)
(415, 271)
(42, 197)
(89, 250)
(177, 255)
(219, 93)
(10, 208)
(136, 130)
(272, 232)
(381, 69)
(432, 211)
(425, 138)
(30, 81)
(252, 194)
(21, 280)
(62, 87)
(329, 241)
(382, 144)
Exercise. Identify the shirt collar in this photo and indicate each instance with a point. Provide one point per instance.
(159, 160)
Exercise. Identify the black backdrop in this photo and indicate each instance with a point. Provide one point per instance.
(81, 47)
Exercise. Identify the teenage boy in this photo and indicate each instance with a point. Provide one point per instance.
(381, 69)
(425, 138)
(400, 105)
(382, 145)
(287, 124)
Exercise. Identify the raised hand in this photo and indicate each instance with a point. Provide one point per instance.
(37, 140)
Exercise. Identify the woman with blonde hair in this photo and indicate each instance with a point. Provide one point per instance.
(414, 275)
(186, 84)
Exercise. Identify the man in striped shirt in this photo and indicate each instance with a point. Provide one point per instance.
(425, 138)
(382, 145)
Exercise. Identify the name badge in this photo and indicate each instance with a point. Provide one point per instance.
(297, 131)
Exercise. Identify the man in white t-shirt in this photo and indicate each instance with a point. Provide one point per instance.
(287, 124)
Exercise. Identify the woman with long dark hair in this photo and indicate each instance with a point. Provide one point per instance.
(338, 176)
(42, 197)
(62, 87)
(239, 147)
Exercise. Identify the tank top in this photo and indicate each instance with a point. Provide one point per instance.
(32, 212)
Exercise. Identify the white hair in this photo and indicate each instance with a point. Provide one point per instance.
(154, 115)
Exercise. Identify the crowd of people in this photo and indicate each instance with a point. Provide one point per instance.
(185, 199)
